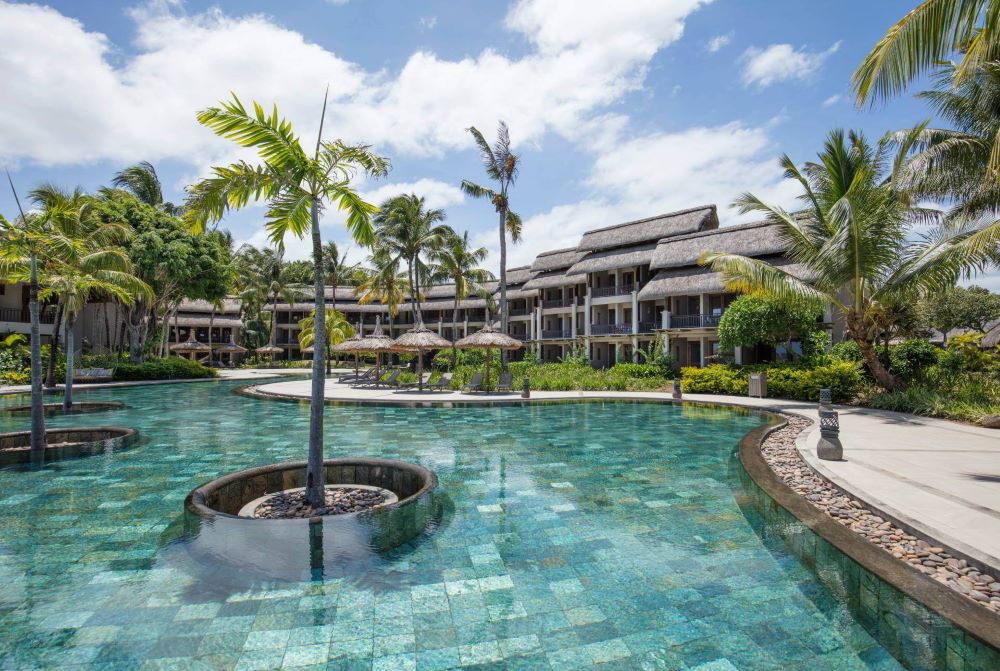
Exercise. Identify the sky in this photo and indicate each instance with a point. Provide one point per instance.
(618, 110)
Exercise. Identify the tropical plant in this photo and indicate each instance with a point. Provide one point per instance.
(927, 36)
(338, 329)
(763, 320)
(409, 232)
(502, 166)
(853, 243)
(963, 308)
(20, 243)
(142, 182)
(82, 258)
(297, 187)
(459, 263)
(385, 283)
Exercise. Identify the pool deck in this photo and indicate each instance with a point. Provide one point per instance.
(938, 477)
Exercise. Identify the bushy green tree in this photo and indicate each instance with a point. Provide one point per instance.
(963, 308)
(760, 320)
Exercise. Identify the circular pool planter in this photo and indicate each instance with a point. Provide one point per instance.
(77, 409)
(15, 448)
(213, 509)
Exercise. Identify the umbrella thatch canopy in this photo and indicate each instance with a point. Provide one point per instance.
(229, 347)
(190, 346)
(420, 339)
(308, 350)
(488, 338)
(269, 349)
(350, 346)
(377, 342)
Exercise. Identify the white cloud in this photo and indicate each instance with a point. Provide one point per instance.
(662, 172)
(833, 100)
(781, 62)
(719, 41)
(428, 22)
(585, 57)
(436, 193)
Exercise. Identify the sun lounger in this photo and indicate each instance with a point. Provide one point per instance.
(389, 381)
(422, 382)
(93, 375)
(475, 384)
(443, 383)
(363, 376)
(506, 382)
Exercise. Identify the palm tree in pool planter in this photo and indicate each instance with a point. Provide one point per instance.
(502, 166)
(297, 186)
(853, 244)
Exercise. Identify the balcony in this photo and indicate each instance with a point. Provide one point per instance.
(620, 290)
(610, 329)
(519, 312)
(23, 315)
(694, 321)
(557, 303)
(557, 334)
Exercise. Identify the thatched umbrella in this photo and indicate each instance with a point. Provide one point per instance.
(420, 339)
(190, 346)
(349, 346)
(231, 349)
(270, 350)
(489, 339)
(377, 342)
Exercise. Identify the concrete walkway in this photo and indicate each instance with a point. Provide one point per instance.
(941, 478)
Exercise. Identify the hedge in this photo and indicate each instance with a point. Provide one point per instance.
(843, 378)
(166, 368)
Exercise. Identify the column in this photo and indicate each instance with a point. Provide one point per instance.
(738, 355)
(572, 320)
(701, 351)
(587, 316)
(465, 325)
(635, 313)
(531, 325)
(703, 307)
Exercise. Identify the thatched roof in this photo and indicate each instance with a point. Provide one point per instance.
(222, 322)
(349, 346)
(269, 349)
(693, 280)
(609, 259)
(757, 239)
(190, 345)
(439, 291)
(992, 337)
(515, 294)
(420, 338)
(650, 229)
(488, 338)
(229, 306)
(377, 341)
(519, 275)
(557, 259)
(559, 278)
(229, 347)
(342, 307)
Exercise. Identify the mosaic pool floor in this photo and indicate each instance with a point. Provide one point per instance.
(580, 536)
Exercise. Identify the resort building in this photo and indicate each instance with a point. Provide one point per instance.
(620, 290)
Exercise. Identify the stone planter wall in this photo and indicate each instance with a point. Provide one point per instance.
(67, 443)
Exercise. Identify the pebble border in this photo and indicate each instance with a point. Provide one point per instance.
(781, 454)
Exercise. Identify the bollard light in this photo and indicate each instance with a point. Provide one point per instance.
(829, 447)
(526, 389)
(677, 388)
(825, 398)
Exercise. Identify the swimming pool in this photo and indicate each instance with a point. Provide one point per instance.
(581, 535)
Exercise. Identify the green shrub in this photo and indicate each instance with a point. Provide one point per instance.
(465, 357)
(911, 359)
(842, 378)
(165, 368)
(847, 350)
(960, 396)
(715, 379)
(638, 370)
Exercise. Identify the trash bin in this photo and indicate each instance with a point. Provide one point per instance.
(758, 385)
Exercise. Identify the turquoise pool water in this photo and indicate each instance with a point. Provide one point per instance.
(576, 536)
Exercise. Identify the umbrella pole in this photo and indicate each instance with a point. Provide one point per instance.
(420, 370)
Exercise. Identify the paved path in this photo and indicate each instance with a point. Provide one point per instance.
(939, 477)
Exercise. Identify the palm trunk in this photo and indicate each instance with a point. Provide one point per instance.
(50, 373)
(315, 476)
(418, 317)
(503, 282)
(38, 443)
(882, 375)
(70, 355)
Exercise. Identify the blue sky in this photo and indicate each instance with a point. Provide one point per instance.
(619, 110)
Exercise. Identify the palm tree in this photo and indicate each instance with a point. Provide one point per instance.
(853, 241)
(927, 36)
(409, 232)
(142, 182)
(20, 246)
(459, 263)
(81, 259)
(384, 284)
(502, 166)
(335, 264)
(297, 187)
(338, 329)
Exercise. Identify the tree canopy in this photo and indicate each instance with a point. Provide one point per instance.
(963, 308)
(763, 320)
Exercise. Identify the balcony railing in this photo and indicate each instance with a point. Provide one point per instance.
(646, 327)
(558, 303)
(620, 290)
(519, 312)
(694, 321)
(23, 315)
(557, 334)
(610, 329)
